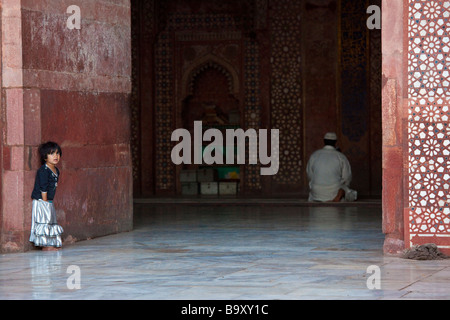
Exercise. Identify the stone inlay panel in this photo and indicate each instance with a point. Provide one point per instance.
(428, 218)
(286, 88)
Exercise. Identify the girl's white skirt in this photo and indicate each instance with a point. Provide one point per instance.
(45, 232)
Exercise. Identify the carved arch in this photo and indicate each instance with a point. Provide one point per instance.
(209, 61)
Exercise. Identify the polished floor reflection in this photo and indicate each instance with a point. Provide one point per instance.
(229, 252)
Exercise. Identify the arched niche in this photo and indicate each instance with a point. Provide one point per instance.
(210, 91)
(210, 94)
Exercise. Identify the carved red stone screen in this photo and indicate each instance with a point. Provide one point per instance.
(428, 217)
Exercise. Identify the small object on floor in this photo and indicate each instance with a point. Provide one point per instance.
(427, 251)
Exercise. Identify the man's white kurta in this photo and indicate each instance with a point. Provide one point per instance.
(328, 171)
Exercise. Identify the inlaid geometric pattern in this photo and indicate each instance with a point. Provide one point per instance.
(287, 87)
(205, 21)
(164, 106)
(428, 115)
(197, 28)
(353, 69)
(252, 111)
(134, 99)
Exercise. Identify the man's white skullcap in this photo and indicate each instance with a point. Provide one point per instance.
(330, 136)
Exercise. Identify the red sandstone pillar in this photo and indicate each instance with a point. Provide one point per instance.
(71, 86)
(13, 155)
(393, 93)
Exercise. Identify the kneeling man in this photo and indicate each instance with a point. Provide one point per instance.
(329, 173)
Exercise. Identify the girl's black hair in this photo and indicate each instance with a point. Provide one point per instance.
(48, 148)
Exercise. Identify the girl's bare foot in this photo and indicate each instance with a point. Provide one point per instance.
(50, 249)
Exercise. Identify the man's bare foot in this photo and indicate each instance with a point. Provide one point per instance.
(339, 196)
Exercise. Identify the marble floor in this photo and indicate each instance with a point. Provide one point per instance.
(229, 252)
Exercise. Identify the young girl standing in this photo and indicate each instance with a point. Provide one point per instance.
(45, 232)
